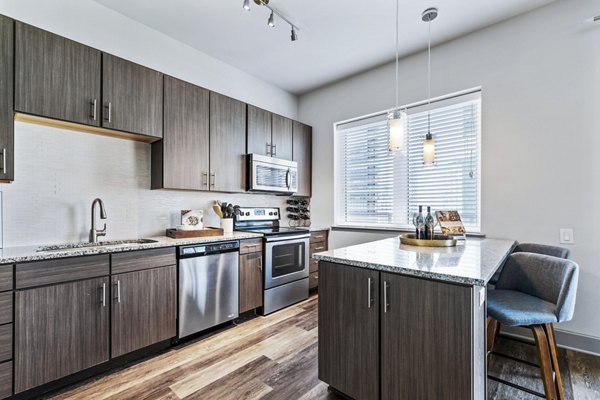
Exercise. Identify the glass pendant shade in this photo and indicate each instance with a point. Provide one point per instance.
(429, 150)
(397, 129)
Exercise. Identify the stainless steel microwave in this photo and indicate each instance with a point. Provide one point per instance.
(268, 174)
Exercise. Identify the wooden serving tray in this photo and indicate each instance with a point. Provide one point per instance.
(438, 241)
(179, 234)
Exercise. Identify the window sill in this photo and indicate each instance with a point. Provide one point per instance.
(366, 229)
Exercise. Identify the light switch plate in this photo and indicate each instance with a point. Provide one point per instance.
(566, 236)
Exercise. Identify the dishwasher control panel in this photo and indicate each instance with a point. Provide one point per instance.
(199, 250)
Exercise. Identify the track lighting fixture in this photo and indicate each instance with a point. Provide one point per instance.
(271, 21)
(273, 13)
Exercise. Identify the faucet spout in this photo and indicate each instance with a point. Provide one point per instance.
(94, 232)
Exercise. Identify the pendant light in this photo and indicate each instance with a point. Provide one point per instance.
(397, 118)
(429, 144)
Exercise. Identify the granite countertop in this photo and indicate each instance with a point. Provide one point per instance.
(317, 228)
(11, 255)
(471, 263)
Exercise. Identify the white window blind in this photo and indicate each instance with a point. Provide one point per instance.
(377, 188)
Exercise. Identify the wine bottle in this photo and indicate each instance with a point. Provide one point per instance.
(429, 224)
(420, 224)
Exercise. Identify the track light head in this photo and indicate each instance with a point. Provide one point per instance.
(294, 34)
(271, 21)
(247, 5)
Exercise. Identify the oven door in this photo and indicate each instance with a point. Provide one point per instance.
(286, 260)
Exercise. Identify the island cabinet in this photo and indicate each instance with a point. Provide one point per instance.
(251, 275)
(227, 144)
(181, 159)
(56, 77)
(144, 299)
(6, 100)
(132, 97)
(390, 336)
(302, 154)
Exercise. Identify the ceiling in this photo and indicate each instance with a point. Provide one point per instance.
(337, 38)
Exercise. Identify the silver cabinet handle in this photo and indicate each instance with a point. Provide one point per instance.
(109, 109)
(274, 153)
(4, 160)
(385, 299)
(369, 300)
(213, 175)
(205, 183)
(94, 104)
(269, 149)
(118, 291)
(260, 263)
(104, 295)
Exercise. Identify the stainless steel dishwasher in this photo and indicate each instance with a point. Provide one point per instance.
(208, 286)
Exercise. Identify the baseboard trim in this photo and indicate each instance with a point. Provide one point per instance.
(565, 339)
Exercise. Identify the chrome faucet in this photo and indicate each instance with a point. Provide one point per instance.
(94, 233)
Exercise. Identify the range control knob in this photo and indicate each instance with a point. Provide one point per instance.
(271, 213)
(247, 213)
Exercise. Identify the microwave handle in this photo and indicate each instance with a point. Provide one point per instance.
(287, 178)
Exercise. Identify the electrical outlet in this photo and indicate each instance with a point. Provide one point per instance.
(566, 236)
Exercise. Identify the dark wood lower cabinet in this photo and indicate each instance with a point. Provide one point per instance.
(428, 359)
(59, 330)
(6, 380)
(349, 330)
(251, 285)
(144, 308)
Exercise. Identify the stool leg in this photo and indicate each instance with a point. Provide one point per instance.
(554, 353)
(543, 353)
(493, 327)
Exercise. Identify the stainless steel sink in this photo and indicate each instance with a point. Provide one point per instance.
(87, 245)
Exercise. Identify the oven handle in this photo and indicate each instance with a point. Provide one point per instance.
(282, 238)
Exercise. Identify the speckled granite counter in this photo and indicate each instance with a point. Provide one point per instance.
(318, 228)
(11, 255)
(473, 263)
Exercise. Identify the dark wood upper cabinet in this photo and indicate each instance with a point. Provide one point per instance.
(282, 137)
(227, 144)
(251, 286)
(349, 329)
(60, 330)
(132, 97)
(259, 131)
(302, 154)
(180, 160)
(56, 77)
(6, 100)
(144, 308)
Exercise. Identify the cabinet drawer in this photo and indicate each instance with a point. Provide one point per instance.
(251, 246)
(6, 277)
(313, 266)
(143, 259)
(313, 280)
(320, 236)
(6, 307)
(6, 348)
(317, 247)
(6, 379)
(60, 270)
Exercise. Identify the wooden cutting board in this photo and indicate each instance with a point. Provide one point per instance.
(179, 234)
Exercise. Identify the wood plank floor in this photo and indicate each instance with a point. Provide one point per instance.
(275, 357)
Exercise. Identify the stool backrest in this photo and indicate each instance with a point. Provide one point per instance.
(549, 278)
(548, 250)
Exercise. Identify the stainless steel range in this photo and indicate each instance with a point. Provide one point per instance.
(285, 273)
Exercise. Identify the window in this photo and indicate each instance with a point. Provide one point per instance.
(376, 188)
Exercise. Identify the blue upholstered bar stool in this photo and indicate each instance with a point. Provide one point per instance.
(548, 250)
(535, 291)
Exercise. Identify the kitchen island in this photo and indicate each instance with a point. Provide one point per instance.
(404, 322)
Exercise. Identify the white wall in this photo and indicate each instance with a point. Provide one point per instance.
(540, 74)
(102, 28)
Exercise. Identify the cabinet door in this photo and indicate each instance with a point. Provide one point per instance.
(349, 330)
(227, 144)
(56, 77)
(132, 97)
(429, 359)
(282, 137)
(6, 100)
(259, 131)
(251, 286)
(60, 330)
(183, 157)
(144, 308)
(302, 149)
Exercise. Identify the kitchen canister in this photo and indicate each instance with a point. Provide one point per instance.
(227, 225)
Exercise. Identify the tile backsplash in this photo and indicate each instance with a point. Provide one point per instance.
(58, 173)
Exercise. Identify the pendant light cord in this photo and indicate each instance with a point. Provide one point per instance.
(429, 77)
(397, 49)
